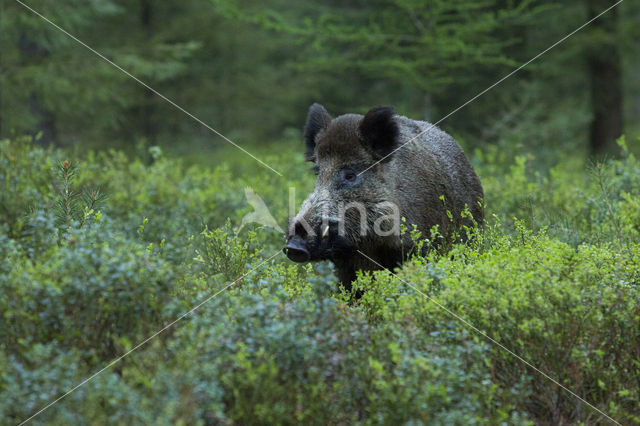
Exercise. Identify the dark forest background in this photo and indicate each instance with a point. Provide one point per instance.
(250, 69)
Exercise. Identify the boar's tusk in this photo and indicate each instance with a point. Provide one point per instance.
(325, 231)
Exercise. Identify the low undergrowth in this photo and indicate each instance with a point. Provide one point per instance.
(94, 262)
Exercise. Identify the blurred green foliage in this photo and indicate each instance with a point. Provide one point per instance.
(251, 69)
(554, 275)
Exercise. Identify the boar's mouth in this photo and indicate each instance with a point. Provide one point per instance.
(334, 248)
(330, 246)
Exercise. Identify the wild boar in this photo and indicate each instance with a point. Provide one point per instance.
(372, 170)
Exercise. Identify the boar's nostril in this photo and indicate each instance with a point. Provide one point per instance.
(296, 250)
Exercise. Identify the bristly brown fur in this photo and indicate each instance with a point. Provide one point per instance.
(429, 180)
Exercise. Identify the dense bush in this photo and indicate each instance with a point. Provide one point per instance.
(573, 312)
(554, 275)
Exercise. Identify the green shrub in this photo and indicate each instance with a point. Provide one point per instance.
(84, 292)
(577, 203)
(574, 313)
(554, 275)
(26, 176)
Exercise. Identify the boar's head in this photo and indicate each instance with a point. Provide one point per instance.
(352, 204)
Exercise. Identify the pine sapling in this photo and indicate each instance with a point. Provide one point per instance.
(75, 208)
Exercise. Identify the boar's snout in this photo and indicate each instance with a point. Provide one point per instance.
(296, 249)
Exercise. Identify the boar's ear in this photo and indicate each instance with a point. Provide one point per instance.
(379, 132)
(318, 119)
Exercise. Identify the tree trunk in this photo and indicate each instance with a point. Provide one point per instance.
(605, 72)
(46, 122)
(1, 109)
(32, 52)
(148, 128)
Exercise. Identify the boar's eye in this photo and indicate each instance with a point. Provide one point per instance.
(348, 177)
(316, 170)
